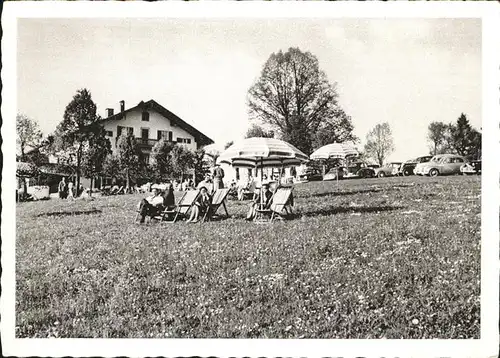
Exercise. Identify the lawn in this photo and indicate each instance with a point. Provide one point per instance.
(369, 258)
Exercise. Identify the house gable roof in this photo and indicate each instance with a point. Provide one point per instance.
(201, 138)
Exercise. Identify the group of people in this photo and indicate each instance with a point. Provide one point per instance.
(67, 190)
(158, 202)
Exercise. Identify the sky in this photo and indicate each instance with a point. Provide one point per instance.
(407, 72)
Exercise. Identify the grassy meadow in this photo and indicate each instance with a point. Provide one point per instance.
(369, 258)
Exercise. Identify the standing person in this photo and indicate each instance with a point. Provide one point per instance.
(62, 188)
(218, 176)
(70, 190)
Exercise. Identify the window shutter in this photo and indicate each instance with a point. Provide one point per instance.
(170, 134)
(159, 135)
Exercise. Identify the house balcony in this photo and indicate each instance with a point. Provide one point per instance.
(146, 142)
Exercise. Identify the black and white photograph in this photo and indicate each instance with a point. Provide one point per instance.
(250, 177)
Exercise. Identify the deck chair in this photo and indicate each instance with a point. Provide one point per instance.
(169, 213)
(249, 191)
(279, 200)
(185, 204)
(218, 199)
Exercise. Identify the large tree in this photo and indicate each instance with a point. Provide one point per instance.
(379, 143)
(95, 155)
(438, 137)
(293, 96)
(111, 166)
(129, 157)
(75, 130)
(28, 134)
(338, 128)
(465, 139)
(162, 159)
(182, 160)
(199, 165)
(257, 131)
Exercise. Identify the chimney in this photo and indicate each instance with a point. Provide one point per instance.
(122, 106)
(109, 112)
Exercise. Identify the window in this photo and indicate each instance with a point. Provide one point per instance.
(109, 133)
(144, 133)
(164, 134)
(145, 116)
(459, 160)
(145, 158)
(180, 140)
(188, 141)
(237, 173)
(128, 130)
(184, 140)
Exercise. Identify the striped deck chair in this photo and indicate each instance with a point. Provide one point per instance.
(169, 213)
(185, 204)
(279, 201)
(218, 199)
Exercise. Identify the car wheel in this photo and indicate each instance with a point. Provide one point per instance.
(433, 172)
(381, 174)
(406, 173)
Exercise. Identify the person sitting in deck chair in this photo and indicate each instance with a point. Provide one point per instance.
(207, 183)
(288, 208)
(151, 206)
(201, 206)
(263, 202)
(168, 198)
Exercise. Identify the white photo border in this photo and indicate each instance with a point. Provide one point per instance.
(486, 346)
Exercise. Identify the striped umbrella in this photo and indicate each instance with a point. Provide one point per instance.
(26, 170)
(334, 150)
(260, 152)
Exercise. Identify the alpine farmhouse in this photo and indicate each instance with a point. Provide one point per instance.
(149, 122)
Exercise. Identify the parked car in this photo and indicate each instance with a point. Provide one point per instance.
(359, 170)
(334, 174)
(310, 174)
(389, 169)
(445, 164)
(420, 166)
(472, 167)
(408, 167)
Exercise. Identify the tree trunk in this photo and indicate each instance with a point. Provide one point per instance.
(128, 178)
(91, 185)
(25, 188)
(78, 164)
